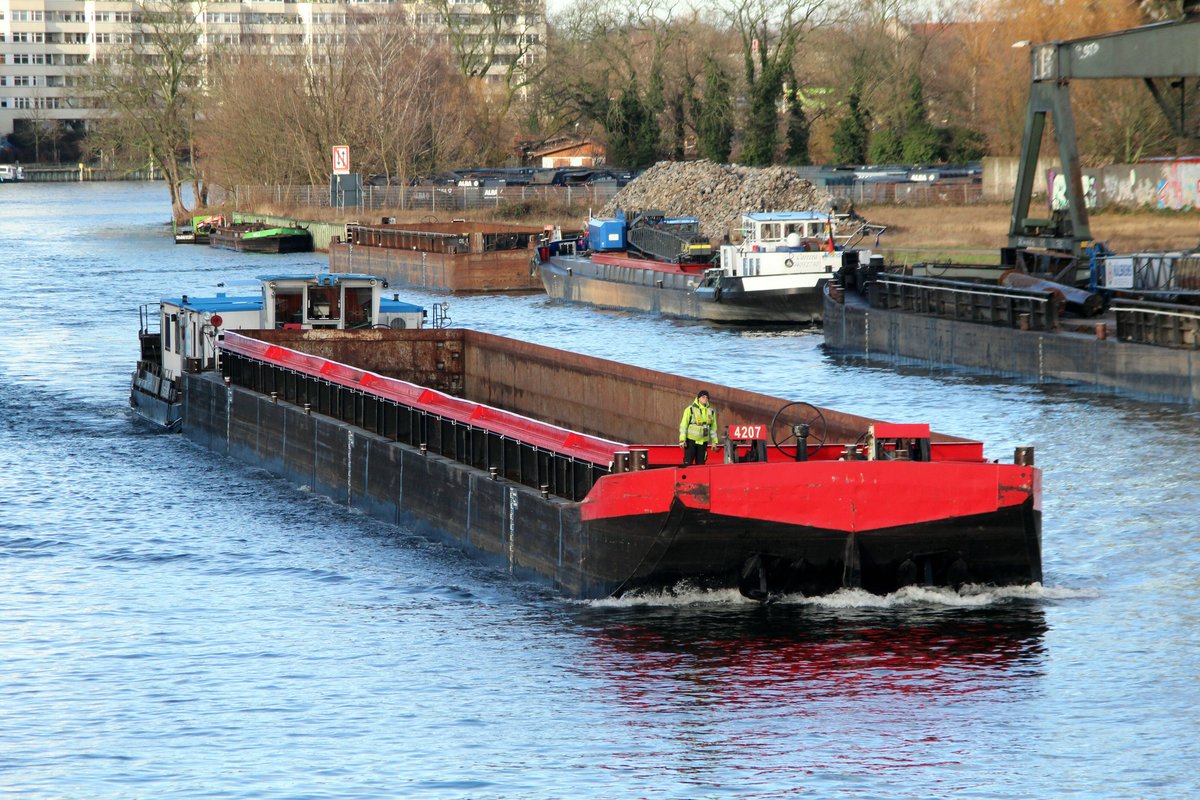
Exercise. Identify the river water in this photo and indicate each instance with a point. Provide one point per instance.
(174, 624)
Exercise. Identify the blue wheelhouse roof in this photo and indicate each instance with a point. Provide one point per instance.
(222, 303)
(323, 278)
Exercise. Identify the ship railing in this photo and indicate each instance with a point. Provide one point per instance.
(471, 442)
(1028, 309)
(1161, 324)
(151, 378)
(864, 230)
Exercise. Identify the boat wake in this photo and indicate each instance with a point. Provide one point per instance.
(968, 596)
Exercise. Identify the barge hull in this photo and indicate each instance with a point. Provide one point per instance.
(674, 294)
(508, 487)
(507, 525)
(519, 531)
(997, 548)
(1142, 371)
(281, 244)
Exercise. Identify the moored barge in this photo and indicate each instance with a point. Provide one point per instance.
(773, 275)
(257, 237)
(561, 467)
(459, 256)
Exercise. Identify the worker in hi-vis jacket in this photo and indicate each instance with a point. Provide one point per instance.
(697, 428)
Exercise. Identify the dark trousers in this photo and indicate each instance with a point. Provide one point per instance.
(694, 453)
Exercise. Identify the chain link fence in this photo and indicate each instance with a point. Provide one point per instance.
(939, 193)
(432, 199)
(531, 199)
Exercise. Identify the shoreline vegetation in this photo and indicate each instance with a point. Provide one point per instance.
(420, 90)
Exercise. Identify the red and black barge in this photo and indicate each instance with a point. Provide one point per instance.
(561, 467)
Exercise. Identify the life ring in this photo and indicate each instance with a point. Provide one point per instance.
(787, 262)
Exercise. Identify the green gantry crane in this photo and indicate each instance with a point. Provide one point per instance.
(1165, 55)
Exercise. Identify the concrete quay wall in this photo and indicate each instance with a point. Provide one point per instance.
(507, 525)
(1136, 370)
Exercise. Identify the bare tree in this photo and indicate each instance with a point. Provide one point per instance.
(150, 91)
(40, 133)
(498, 47)
(374, 84)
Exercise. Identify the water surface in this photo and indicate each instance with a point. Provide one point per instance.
(175, 624)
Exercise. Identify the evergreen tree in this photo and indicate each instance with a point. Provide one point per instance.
(761, 135)
(798, 131)
(922, 145)
(714, 114)
(886, 147)
(921, 142)
(678, 124)
(850, 135)
(963, 144)
(633, 130)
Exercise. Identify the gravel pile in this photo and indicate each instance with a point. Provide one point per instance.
(717, 194)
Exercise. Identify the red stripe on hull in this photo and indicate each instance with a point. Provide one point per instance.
(836, 496)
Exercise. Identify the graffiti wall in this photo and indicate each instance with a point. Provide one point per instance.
(1173, 184)
(1179, 187)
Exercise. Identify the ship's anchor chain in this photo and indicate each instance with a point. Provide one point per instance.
(808, 422)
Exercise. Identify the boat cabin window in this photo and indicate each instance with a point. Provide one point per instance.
(323, 303)
(770, 231)
(288, 306)
(358, 307)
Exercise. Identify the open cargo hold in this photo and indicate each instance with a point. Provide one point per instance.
(462, 256)
(565, 468)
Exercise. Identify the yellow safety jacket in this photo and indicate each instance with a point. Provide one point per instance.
(699, 424)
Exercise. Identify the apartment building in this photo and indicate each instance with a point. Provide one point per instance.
(46, 45)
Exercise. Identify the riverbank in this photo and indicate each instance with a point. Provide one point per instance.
(970, 234)
(975, 233)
